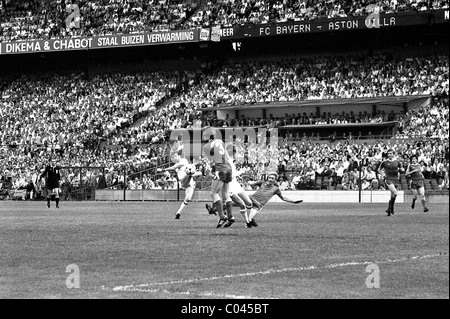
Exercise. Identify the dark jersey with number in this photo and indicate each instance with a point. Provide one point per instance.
(391, 169)
(265, 192)
(215, 152)
(52, 176)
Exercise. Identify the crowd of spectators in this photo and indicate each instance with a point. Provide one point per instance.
(20, 167)
(71, 110)
(296, 79)
(324, 165)
(71, 115)
(36, 19)
(313, 163)
(233, 12)
(319, 78)
(430, 121)
(43, 20)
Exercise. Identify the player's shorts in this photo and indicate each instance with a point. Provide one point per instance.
(187, 182)
(225, 172)
(53, 191)
(51, 186)
(226, 176)
(394, 182)
(416, 184)
(256, 205)
(235, 188)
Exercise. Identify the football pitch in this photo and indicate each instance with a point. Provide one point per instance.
(138, 250)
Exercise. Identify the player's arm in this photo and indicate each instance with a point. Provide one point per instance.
(401, 169)
(418, 170)
(257, 183)
(288, 200)
(409, 171)
(197, 173)
(174, 167)
(380, 168)
(43, 173)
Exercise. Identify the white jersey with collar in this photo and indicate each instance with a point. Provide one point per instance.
(181, 169)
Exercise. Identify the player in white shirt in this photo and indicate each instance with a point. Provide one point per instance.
(185, 179)
(239, 196)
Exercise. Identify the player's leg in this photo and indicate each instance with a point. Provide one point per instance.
(211, 209)
(238, 201)
(394, 192)
(256, 207)
(48, 190)
(216, 190)
(248, 207)
(252, 215)
(187, 198)
(421, 192)
(56, 191)
(228, 203)
(414, 191)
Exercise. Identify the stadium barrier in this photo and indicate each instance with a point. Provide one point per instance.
(431, 196)
(312, 196)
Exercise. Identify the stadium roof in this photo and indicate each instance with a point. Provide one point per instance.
(389, 100)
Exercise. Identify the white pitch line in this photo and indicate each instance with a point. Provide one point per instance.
(187, 293)
(270, 271)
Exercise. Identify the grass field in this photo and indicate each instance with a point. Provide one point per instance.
(138, 250)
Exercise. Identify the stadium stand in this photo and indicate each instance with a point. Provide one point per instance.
(32, 19)
(122, 120)
(232, 12)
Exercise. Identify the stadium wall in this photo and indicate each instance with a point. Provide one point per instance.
(280, 112)
(200, 196)
(296, 107)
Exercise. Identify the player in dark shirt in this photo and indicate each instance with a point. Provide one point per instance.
(414, 170)
(267, 189)
(52, 177)
(215, 151)
(392, 169)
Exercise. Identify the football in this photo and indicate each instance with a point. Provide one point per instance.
(190, 169)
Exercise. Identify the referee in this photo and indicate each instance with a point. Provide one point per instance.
(52, 177)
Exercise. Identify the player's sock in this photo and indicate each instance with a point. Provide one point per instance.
(424, 203)
(253, 212)
(182, 206)
(229, 206)
(48, 202)
(393, 202)
(249, 209)
(57, 201)
(389, 209)
(243, 212)
(218, 205)
(413, 203)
